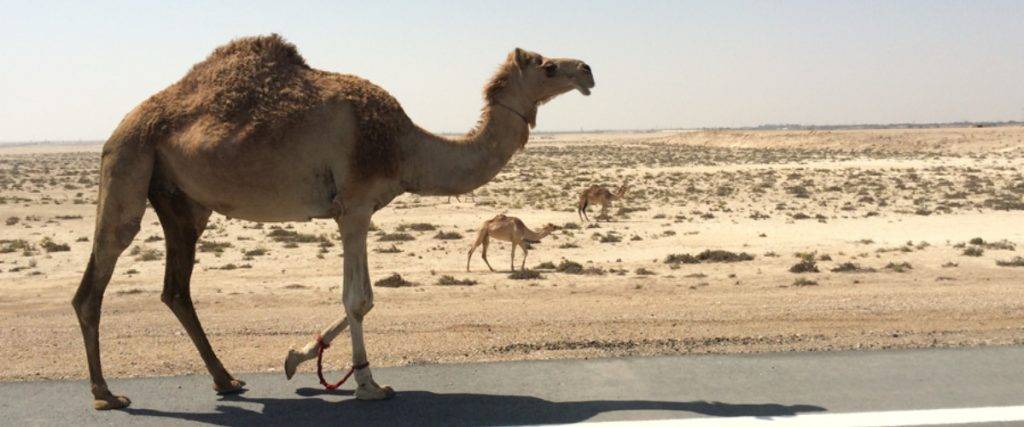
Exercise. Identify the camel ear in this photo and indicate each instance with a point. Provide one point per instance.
(521, 57)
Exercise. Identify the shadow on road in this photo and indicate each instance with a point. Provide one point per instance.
(426, 408)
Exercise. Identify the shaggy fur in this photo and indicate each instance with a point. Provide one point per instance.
(501, 80)
(261, 85)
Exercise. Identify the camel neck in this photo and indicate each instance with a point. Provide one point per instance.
(436, 165)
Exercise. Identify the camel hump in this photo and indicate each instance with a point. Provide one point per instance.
(259, 82)
(273, 50)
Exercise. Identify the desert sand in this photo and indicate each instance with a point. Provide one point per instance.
(729, 242)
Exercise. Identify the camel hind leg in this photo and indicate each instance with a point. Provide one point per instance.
(183, 222)
(583, 210)
(480, 237)
(483, 252)
(126, 167)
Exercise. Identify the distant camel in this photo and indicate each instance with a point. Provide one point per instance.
(509, 229)
(598, 194)
(457, 199)
(255, 133)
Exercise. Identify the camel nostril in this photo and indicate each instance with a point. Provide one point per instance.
(587, 68)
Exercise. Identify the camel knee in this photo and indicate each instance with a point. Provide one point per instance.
(126, 232)
(357, 307)
(89, 295)
(86, 308)
(111, 242)
(173, 299)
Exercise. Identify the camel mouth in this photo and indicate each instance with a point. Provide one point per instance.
(584, 89)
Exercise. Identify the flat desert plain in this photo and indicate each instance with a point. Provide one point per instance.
(728, 242)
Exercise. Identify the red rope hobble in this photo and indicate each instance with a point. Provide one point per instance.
(320, 347)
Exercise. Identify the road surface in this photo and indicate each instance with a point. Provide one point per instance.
(840, 388)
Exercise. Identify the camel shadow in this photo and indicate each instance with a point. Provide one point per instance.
(449, 409)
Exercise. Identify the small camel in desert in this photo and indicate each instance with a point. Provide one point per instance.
(458, 198)
(509, 229)
(254, 133)
(598, 194)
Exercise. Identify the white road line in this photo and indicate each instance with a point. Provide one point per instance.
(922, 417)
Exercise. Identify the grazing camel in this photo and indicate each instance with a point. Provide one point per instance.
(254, 133)
(509, 229)
(597, 194)
(457, 199)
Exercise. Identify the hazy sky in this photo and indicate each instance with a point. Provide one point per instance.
(71, 70)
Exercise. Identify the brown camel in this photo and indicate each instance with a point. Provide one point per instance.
(254, 133)
(597, 194)
(509, 229)
(458, 199)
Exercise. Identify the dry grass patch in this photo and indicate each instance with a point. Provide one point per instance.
(447, 280)
(525, 275)
(395, 280)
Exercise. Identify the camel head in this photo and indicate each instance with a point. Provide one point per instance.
(549, 228)
(541, 78)
(622, 190)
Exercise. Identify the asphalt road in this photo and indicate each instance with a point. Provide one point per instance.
(765, 388)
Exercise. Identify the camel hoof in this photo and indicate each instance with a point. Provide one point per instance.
(111, 402)
(374, 392)
(233, 386)
(291, 362)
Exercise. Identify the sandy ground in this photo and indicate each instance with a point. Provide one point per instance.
(923, 218)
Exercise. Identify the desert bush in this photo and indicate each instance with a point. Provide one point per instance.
(447, 280)
(389, 250)
(290, 236)
(569, 267)
(806, 265)
(546, 265)
(212, 246)
(417, 226)
(255, 252)
(901, 267)
(681, 259)
(850, 267)
(708, 256)
(719, 255)
(8, 246)
(802, 282)
(49, 245)
(525, 275)
(395, 237)
(147, 254)
(394, 281)
(447, 235)
(1015, 262)
(973, 251)
(609, 237)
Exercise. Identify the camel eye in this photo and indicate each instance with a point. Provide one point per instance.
(549, 69)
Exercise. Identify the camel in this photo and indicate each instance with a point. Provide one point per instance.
(254, 133)
(509, 229)
(458, 199)
(597, 194)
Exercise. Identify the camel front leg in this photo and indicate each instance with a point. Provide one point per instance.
(514, 244)
(357, 296)
(525, 252)
(296, 357)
